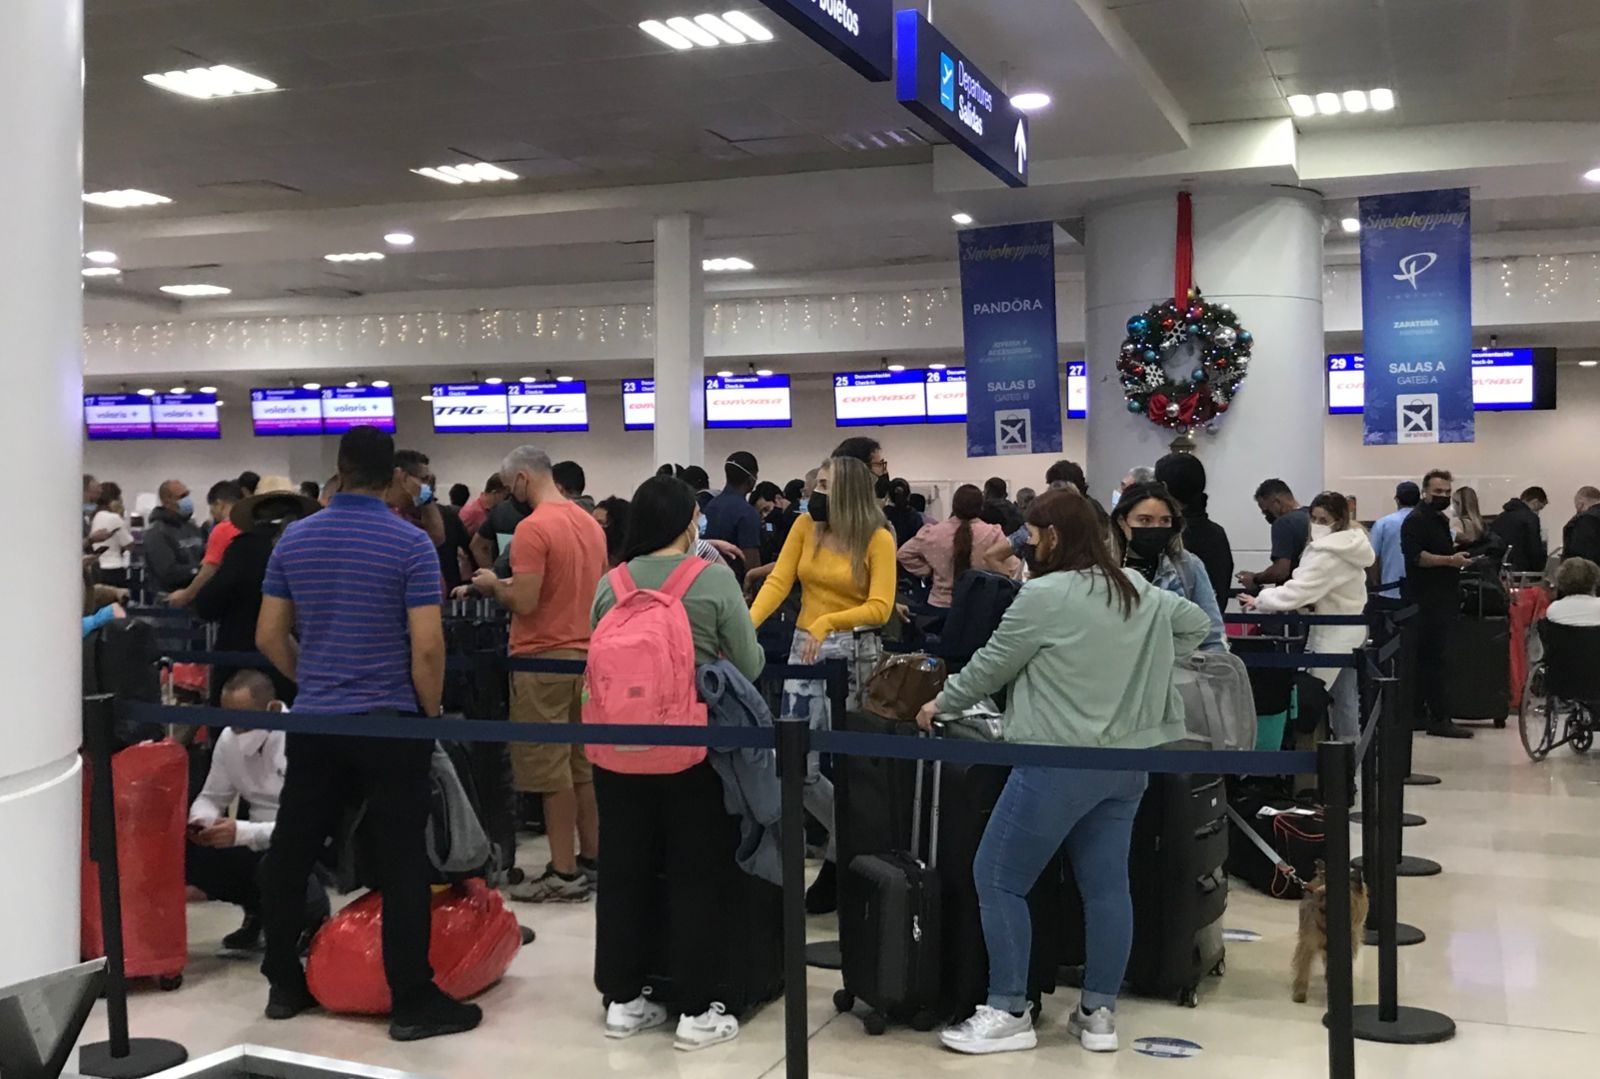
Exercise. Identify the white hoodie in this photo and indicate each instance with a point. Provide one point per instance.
(1332, 579)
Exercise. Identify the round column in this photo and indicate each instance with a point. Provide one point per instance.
(41, 434)
(1261, 252)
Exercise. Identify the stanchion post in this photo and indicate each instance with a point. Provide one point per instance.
(1335, 762)
(1369, 804)
(794, 744)
(119, 1057)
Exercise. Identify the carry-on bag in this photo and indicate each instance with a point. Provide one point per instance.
(1298, 839)
(1479, 669)
(902, 683)
(889, 936)
(1218, 702)
(754, 927)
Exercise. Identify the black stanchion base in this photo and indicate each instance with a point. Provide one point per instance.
(1412, 1026)
(824, 955)
(1407, 820)
(1404, 935)
(1422, 779)
(1409, 866)
(146, 1056)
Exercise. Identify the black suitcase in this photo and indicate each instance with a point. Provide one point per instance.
(968, 796)
(754, 975)
(890, 937)
(1300, 840)
(1479, 669)
(1179, 886)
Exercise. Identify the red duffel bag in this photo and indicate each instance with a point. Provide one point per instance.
(152, 794)
(475, 938)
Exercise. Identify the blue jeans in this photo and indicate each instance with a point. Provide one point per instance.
(1344, 710)
(1039, 809)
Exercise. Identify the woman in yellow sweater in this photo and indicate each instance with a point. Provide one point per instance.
(842, 553)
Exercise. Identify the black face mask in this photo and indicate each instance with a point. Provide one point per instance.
(883, 485)
(1270, 517)
(818, 507)
(1149, 544)
(1439, 503)
(1035, 559)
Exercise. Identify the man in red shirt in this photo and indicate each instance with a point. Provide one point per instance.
(220, 499)
(475, 512)
(558, 555)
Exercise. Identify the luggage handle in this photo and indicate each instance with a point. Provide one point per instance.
(1209, 830)
(916, 812)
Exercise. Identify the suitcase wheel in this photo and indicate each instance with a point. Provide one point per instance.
(844, 1000)
(874, 1023)
(1220, 969)
(924, 1021)
(168, 982)
(528, 937)
(1500, 724)
(1189, 998)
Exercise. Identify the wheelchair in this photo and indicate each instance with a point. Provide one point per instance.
(1562, 697)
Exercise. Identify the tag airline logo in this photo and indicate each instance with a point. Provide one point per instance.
(1413, 267)
(947, 81)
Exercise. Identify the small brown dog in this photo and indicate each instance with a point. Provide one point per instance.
(1314, 925)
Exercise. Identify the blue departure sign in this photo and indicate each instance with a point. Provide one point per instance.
(937, 82)
(859, 32)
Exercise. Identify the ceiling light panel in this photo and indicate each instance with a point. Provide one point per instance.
(961, 219)
(472, 172)
(694, 32)
(747, 26)
(355, 256)
(722, 31)
(728, 265)
(192, 291)
(1331, 103)
(399, 239)
(209, 82)
(707, 30)
(103, 258)
(101, 271)
(124, 199)
(1351, 224)
(1032, 101)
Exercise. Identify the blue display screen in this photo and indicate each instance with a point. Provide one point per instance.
(879, 398)
(748, 401)
(344, 407)
(464, 408)
(108, 416)
(1503, 380)
(548, 406)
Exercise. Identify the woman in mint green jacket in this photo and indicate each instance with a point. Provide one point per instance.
(1088, 651)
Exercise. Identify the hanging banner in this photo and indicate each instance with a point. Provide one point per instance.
(1416, 315)
(1008, 306)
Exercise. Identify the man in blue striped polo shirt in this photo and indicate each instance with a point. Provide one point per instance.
(350, 610)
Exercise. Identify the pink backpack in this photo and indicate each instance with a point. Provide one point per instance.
(641, 670)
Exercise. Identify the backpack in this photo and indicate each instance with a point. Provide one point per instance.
(979, 602)
(458, 846)
(641, 670)
(1218, 704)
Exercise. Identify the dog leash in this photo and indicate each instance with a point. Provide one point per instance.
(1261, 844)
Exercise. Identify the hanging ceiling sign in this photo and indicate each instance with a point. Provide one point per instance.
(937, 82)
(859, 32)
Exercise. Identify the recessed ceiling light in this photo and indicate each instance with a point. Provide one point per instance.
(720, 30)
(664, 34)
(1354, 100)
(764, 372)
(399, 239)
(101, 271)
(147, 392)
(179, 389)
(219, 403)
(125, 198)
(1032, 101)
(747, 26)
(1593, 176)
(1302, 105)
(356, 256)
(208, 389)
(961, 219)
(563, 378)
(525, 379)
(727, 265)
(1328, 104)
(101, 257)
(694, 32)
(1589, 363)
(724, 374)
(493, 380)
(1350, 224)
(208, 82)
(380, 384)
(897, 367)
(312, 386)
(352, 384)
(472, 172)
(426, 397)
(936, 367)
(1381, 100)
(195, 290)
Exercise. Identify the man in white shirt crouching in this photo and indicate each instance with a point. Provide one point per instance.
(225, 852)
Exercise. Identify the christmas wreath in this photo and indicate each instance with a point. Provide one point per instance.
(1181, 364)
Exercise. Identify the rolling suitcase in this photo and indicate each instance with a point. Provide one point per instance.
(755, 971)
(151, 788)
(1179, 886)
(1479, 669)
(889, 934)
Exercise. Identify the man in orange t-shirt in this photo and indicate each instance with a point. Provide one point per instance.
(558, 555)
(220, 499)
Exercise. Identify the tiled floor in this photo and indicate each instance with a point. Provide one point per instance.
(1513, 955)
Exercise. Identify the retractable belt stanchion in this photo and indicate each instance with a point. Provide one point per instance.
(794, 745)
(1387, 1021)
(119, 1057)
(1335, 763)
(1388, 633)
(1408, 865)
(1372, 768)
(826, 954)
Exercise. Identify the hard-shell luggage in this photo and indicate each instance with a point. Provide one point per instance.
(1179, 886)
(1479, 669)
(890, 936)
(755, 930)
(1218, 702)
(150, 788)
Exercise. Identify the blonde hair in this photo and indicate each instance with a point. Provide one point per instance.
(854, 513)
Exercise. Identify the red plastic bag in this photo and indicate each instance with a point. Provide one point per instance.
(475, 938)
(152, 791)
(1528, 606)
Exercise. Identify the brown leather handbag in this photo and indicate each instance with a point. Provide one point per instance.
(901, 684)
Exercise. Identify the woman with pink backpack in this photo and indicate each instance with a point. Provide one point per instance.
(657, 616)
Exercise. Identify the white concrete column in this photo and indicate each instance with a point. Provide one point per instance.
(1261, 252)
(680, 367)
(41, 431)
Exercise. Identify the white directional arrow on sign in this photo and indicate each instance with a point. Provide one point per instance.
(1020, 145)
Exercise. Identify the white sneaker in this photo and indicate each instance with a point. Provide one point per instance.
(991, 1031)
(1097, 1032)
(699, 1031)
(624, 1020)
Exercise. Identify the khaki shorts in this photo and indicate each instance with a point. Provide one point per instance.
(548, 698)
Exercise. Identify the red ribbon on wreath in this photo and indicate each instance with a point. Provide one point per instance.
(1183, 262)
(1158, 407)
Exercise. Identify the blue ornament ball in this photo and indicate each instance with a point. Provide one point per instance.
(1198, 375)
(1134, 406)
(1151, 355)
(1245, 337)
(1137, 325)
(1194, 329)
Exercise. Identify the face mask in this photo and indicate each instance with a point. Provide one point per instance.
(1149, 544)
(1439, 503)
(1035, 556)
(89, 508)
(818, 508)
(1116, 496)
(882, 486)
(803, 505)
(1270, 518)
(186, 507)
(1320, 531)
(425, 494)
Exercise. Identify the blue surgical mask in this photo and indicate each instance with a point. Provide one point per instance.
(186, 506)
(89, 508)
(1116, 496)
(804, 506)
(425, 495)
